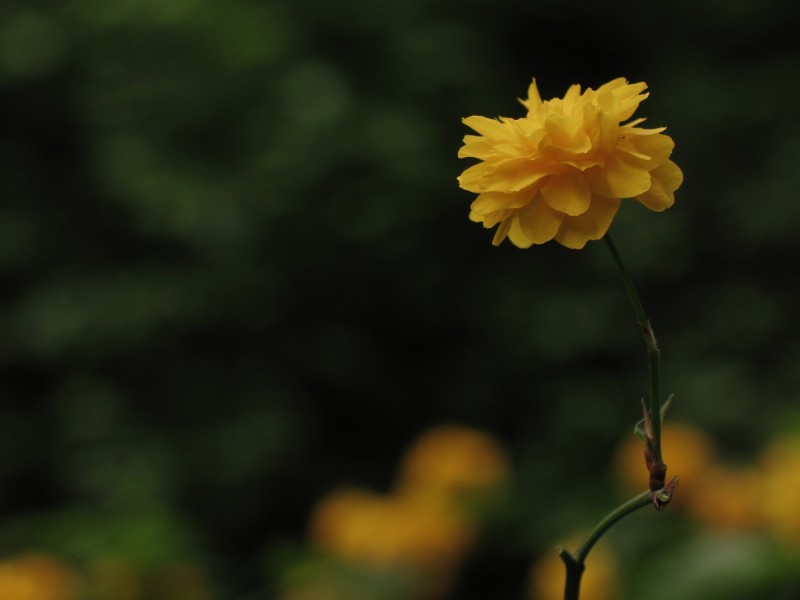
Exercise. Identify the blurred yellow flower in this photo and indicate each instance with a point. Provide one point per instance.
(421, 529)
(780, 470)
(37, 577)
(450, 461)
(599, 581)
(726, 498)
(561, 171)
(382, 531)
(687, 450)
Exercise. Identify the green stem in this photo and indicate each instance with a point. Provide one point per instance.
(575, 563)
(618, 513)
(653, 353)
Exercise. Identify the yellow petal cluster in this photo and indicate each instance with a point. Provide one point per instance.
(37, 577)
(561, 171)
(383, 530)
(424, 527)
(453, 461)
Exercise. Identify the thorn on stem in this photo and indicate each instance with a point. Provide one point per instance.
(663, 496)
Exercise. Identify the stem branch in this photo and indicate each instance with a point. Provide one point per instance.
(575, 562)
(659, 493)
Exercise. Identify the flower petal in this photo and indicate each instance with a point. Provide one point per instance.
(630, 97)
(670, 175)
(630, 130)
(632, 151)
(620, 178)
(537, 223)
(571, 97)
(491, 219)
(620, 97)
(534, 102)
(489, 202)
(512, 175)
(515, 234)
(501, 233)
(666, 178)
(567, 193)
(562, 129)
(476, 146)
(612, 85)
(591, 225)
(491, 128)
(608, 133)
(657, 147)
(472, 178)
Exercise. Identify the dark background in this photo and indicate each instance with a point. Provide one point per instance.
(237, 269)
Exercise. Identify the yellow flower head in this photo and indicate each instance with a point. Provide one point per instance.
(560, 171)
(37, 577)
(727, 498)
(453, 461)
(371, 529)
(780, 469)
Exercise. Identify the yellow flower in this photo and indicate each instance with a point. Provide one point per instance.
(375, 530)
(727, 498)
(453, 461)
(561, 171)
(37, 577)
(780, 470)
(392, 532)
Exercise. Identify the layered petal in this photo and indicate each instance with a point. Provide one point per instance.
(502, 232)
(536, 223)
(607, 133)
(511, 176)
(620, 98)
(489, 220)
(618, 178)
(591, 225)
(472, 178)
(656, 148)
(630, 96)
(666, 178)
(534, 102)
(490, 202)
(490, 128)
(567, 193)
(476, 146)
(563, 131)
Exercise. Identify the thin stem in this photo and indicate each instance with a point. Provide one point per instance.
(641, 318)
(654, 367)
(618, 513)
(653, 353)
(659, 493)
(575, 563)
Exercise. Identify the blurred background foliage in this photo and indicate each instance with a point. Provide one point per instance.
(237, 276)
